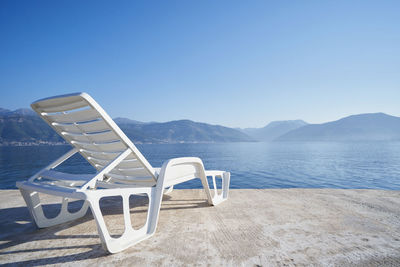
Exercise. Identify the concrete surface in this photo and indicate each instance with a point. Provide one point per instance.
(269, 227)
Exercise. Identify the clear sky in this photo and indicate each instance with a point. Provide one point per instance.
(234, 63)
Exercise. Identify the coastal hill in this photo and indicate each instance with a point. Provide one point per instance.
(24, 127)
(362, 127)
(273, 130)
(180, 131)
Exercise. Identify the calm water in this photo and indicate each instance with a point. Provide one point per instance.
(252, 165)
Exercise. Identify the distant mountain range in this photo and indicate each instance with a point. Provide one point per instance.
(120, 120)
(24, 127)
(273, 130)
(362, 127)
(180, 131)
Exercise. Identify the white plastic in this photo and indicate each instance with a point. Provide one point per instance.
(121, 171)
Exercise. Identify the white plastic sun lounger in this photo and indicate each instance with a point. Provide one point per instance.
(121, 171)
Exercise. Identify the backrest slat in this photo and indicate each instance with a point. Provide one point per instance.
(101, 137)
(137, 172)
(86, 126)
(117, 146)
(100, 155)
(85, 115)
(124, 164)
(62, 106)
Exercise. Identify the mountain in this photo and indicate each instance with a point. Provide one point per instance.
(274, 129)
(362, 127)
(23, 126)
(179, 131)
(186, 131)
(120, 121)
(23, 111)
(4, 111)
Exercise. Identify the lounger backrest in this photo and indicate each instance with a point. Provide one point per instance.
(86, 126)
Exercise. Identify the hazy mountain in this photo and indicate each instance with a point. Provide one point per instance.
(274, 129)
(362, 127)
(4, 111)
(120, 120)
(185, 131)
(24, 126)
(23, 111)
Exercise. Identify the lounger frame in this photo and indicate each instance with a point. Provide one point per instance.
(110, 179)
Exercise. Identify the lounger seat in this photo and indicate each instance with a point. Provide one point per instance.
(121, 170)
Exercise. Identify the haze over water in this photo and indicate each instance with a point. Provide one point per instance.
(373, 165)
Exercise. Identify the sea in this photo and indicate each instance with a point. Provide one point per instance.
(352, 165)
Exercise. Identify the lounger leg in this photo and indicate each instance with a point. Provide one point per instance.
(174, 169)
(226, 178)
(217, 198)
(130, 235)
(168, 190)
(36, 210)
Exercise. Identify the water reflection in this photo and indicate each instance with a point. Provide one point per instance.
(252, 165)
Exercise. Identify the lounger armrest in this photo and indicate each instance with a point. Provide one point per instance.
(179, 170)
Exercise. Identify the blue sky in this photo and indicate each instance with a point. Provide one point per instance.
(235, 63)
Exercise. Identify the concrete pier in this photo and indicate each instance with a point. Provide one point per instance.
(267, 227)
